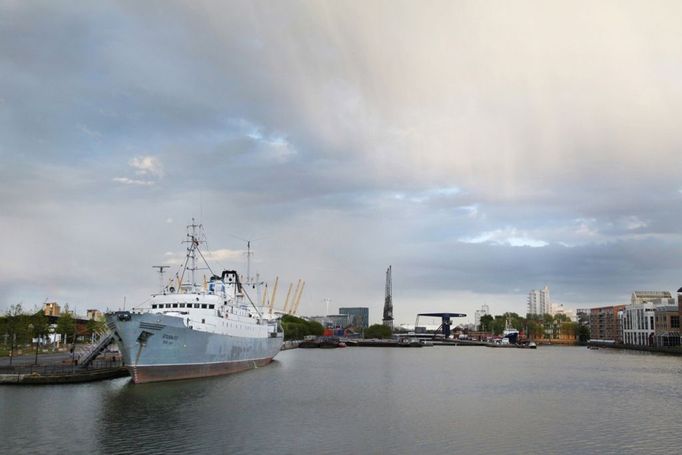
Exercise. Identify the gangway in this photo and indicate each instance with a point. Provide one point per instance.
(97, 349)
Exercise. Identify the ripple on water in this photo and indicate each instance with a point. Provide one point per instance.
(554, 400)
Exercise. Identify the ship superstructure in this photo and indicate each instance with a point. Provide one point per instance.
(195, 330)
(510, 334)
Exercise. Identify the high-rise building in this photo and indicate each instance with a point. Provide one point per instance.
(359, 316)
(485, 310)
(539, 302)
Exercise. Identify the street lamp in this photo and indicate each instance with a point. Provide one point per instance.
(37, 347)
(11, 349)
(30, 329)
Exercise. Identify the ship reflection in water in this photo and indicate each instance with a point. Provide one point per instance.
(369, 400)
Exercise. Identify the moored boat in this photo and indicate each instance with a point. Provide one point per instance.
(196, 330)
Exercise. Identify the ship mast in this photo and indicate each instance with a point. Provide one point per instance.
(161, 280)
(192, 246)
(248, 261)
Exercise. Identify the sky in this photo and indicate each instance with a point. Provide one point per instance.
(481, 148)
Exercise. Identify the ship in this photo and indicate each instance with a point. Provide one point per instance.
(196, 330)
(510, 334)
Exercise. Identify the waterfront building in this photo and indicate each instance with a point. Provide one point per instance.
(582, 316)
(667, 325)
(639, 318)
(539, 302)
(332, 321)
(679, 308)
(605, 323)
(558, 308)
(359, 316)
(485, 310)
(52, 309)
(95, 315)
(638, 324)
(655, 297)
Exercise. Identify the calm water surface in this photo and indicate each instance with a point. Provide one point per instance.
(370, 400)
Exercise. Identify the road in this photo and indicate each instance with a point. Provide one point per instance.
(53, 357)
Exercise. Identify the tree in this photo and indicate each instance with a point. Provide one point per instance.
(487, 323)
(568, 330)
(498, 324)
(94, 326)
(297, 328)
(66, 325)
(41, 325)
(378, 331)
(562, 318)
(583, 333)
(17, 327)
(535, 329)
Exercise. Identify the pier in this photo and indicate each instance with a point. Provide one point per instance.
(60, 369)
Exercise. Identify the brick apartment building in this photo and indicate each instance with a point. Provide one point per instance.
(605, 323)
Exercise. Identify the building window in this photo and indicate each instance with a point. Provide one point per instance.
(196, 305)
(153, 305)
(168, 305)
(175, 305)
(674, 322)
(203, 305)
(182, 305)
(210, 307)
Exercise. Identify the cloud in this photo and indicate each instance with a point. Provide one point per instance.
(147, 166)
(148, 169)
(128, 181)
(507, 236)
(484, 148)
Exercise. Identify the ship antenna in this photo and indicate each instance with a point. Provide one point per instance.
(248, 262)
(161, 271)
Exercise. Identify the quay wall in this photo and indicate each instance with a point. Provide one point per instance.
(672, 350)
